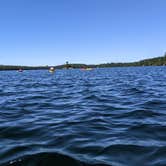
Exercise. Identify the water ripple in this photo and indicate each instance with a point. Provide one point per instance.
(101, 117)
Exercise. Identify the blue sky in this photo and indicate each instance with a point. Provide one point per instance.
(51, 32)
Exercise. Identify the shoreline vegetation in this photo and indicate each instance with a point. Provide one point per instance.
(157, 61)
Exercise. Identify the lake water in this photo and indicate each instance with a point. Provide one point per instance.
(114, 116)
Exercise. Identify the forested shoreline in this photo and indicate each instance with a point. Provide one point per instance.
(157, 61)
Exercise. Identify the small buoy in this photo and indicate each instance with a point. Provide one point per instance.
(20, 70)
(51, 70)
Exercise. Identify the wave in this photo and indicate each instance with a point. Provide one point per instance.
(48, 159)
(108, 116)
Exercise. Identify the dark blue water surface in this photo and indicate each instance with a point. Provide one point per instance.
(114, 116)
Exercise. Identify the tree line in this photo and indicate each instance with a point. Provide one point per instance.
(157, 61)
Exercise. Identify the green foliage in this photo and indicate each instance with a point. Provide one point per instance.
(9, 67)
(158, 61)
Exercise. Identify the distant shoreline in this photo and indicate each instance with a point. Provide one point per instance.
(158, 61)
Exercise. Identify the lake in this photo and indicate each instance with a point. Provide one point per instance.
(111, 116)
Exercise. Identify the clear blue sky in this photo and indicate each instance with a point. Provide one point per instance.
(51, 32)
